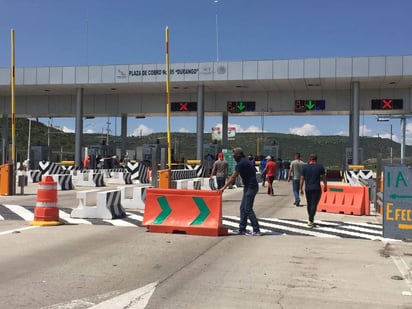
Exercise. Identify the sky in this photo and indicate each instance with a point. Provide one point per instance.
(105, 32)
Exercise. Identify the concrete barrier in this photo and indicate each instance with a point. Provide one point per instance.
(99, 205)
(133, 197)
(90, 179)
(180, 184)
(64, 181)
(124, 178)
(194, 184)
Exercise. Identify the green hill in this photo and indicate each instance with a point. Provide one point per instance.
(330, 149)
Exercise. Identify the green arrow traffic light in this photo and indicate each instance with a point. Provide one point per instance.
(310, 105)
(241, 106)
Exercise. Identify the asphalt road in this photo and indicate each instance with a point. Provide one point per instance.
(104, 266)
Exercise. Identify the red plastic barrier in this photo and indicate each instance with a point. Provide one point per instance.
(348, 200)
(191, 212)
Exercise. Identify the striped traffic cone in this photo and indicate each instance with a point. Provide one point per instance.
(46, 212)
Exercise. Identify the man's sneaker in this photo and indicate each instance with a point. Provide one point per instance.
(297, 204)
(239, 232)
(258, 233)
(311, 224)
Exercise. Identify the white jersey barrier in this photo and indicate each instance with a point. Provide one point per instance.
(355, 177)
(180, 184)
(194, 184)
(90, 179)
(209, 183)
(133, 197)
(64, 182)
(99, 205)
(124, 178)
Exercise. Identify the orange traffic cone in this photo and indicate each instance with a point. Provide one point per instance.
(46, 212)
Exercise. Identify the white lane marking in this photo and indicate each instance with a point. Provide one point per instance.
(333, 230)
(405, 272)
(21, 211)
(136, 299)
(285, 228)
(117, 222)
(17, 230)
(1, 217)
(66, 217)
(134, 216)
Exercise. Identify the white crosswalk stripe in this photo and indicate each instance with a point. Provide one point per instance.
(269, 226)
(26, 214)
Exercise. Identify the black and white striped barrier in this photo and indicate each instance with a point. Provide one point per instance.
(200, 170)
(179, 184)
(183, 174)
(355, 177)
(120, 178)
(64, 182)
(35, 176)
(209, 183)
(90, 179)
(133, 197)
(194, 184)
(99, 205)
(139, 172)
(50, 168)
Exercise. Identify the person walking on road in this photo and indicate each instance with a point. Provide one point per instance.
(220, 169)
(295, 172)
(312, 174)
(270, 171)
(262, 166)
(250, 188)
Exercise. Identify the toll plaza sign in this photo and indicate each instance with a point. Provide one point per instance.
(397, 201)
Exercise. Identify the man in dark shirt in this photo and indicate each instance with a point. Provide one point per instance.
(250, 188)
(312, 174)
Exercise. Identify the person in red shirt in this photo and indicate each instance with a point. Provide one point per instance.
(270, 170)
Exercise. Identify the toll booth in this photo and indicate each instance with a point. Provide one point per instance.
(271, 150)
(38, 154)
(100, 156)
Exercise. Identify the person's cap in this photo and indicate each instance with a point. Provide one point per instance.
(268, 158)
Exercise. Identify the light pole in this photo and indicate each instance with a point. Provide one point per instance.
(391, 147)
(217, 30)
(263, 130)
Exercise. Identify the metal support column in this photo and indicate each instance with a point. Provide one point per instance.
(403, 130)
(200, 121)
(79, 128)
(4, 139)
(225, 121)
(355, 122)
(123, 136)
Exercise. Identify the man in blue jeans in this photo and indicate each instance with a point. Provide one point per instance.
(312, 174)
(295, 172)
(250, 188)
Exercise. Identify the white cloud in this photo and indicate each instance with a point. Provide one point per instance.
(183, 130)
(305, 130)
(142, 130)
(253, 129)
(239, 129)
(408, 134)
(342, 133)
(364, 131)
(89, 131)
(67, 130)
